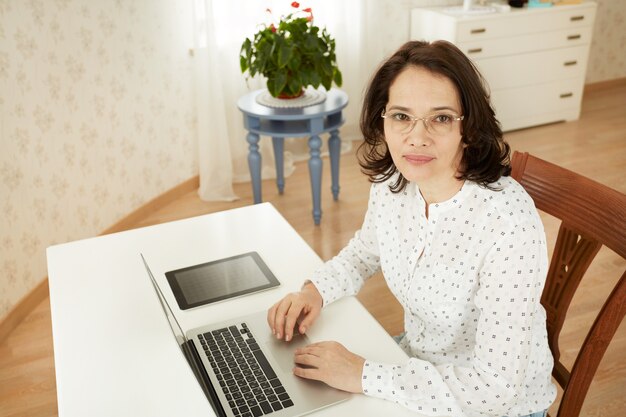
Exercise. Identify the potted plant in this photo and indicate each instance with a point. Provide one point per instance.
(292, 55)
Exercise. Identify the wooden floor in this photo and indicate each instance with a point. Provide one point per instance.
(594, 146)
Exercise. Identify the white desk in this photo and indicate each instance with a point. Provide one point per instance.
(114, 352)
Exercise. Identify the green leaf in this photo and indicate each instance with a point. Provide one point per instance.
(245, 55)
(277, 83)
(295, 61)
(305, 76)
(315, 79)
(338, 78)
(295, 85)
(326, 67)
(311, 42)
(284, 54)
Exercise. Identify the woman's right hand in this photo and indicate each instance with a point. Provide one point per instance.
(298, 308)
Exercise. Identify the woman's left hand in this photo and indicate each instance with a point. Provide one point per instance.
(331, 363)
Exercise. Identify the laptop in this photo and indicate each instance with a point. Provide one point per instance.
(244, 371)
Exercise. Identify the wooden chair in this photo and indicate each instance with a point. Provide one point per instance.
(592, 215)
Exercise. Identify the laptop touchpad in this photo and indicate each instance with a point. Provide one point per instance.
(283, 351)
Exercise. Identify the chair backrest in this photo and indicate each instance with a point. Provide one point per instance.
(591, 215)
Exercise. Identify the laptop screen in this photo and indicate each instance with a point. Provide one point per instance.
(176, 329)
(187, 347)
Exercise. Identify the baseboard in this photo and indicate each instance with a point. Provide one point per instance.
(156, 203)
(31, 300)
(23, 308)
(603, 85)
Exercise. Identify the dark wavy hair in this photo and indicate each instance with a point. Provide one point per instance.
(486, 156)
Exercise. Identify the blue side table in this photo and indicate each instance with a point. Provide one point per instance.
(280, 123)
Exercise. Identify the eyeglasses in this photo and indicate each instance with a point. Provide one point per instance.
(437, 124)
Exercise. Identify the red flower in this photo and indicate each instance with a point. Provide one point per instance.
(308, 10)
(273, 28)
(309, 18)
(295, 4)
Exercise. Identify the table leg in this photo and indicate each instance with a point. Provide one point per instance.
(315, 172)
(334, 147)
(254, 164)
(279, 145)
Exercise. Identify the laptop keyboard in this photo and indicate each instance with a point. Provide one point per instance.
(246, 377)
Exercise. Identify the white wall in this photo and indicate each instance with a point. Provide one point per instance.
(96, 118)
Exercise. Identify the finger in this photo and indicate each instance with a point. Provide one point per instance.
(309, 350)
(306, 361)
(291, 318)
(279, 324)
(308, 373)
(309, 319)
(273, 315)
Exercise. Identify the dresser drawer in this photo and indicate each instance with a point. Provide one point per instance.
(523, 22)
(526, 43)
(534, 68)
(537, 100)
(533, 59)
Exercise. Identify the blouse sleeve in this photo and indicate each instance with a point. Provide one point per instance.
(346, 273)
(511, 281)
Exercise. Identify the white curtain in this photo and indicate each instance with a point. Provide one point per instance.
(220, 27)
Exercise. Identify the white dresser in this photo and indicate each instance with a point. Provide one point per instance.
(534, 60)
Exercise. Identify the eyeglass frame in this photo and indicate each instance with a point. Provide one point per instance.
(414, 120)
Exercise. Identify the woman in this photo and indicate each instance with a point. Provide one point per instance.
(460, 244)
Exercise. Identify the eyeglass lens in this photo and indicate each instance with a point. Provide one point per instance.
(439, 123)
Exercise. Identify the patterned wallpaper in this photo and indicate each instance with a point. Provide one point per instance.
(607, 56)
(97, 114)
(96, 118)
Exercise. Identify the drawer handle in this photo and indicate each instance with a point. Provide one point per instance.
(475, 31)
(474, 50)
(576, 18)
(573, 37)
(570, 63)
(567, 95)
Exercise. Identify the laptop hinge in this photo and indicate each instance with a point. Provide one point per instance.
(190, 351)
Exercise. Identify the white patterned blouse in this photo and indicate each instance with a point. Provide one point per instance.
(470, 277)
